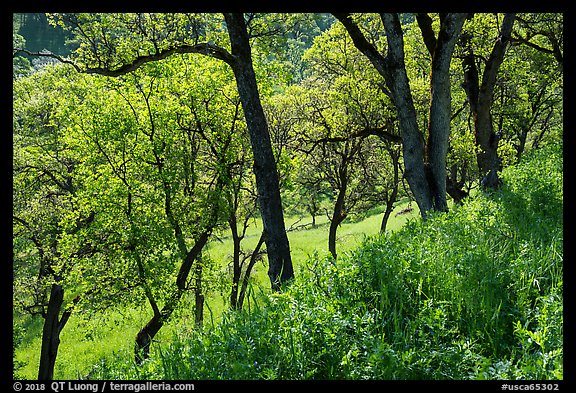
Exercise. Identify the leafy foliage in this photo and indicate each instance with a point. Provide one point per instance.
(116, 178)
(472, 294)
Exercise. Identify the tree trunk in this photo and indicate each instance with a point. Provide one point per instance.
(454, 187)
(236, 268)
(51, 334)
(253, 259)
(412, 139)
(337, 217)
(146, 334)
(53, 325)
(480, 98)
(198, 294)
(441, 107)
(267, 183)
(393, 70)
(426, 174)
(395, 155)
(489, 163)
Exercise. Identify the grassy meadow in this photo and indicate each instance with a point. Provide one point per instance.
(87, 338)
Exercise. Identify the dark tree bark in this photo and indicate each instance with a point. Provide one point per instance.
(395, 156)
(393, 71)
(441, 106)
(236, 265)
(455, 187)
(146, 334)
(51, 334)
(425, 164)
(253, 259)
(238, 290)
(480, 97)
(339, 213)
(198, 294)
(280, 262)
(238, 228)
(53, 325)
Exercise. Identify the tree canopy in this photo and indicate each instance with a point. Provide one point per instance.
(156, 133)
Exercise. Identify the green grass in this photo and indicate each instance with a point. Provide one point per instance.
(476, 293)
(472, 294)
(86, 339)
(305, 242)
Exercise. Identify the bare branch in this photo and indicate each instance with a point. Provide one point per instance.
(202, 48)
(16, 51)
(381, 132)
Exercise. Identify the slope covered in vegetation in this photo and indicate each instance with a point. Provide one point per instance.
(476, 293)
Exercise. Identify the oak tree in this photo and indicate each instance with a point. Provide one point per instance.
(424, 160)
(116, 44)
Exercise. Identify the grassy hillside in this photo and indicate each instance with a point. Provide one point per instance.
(472, 294)
(87, 338)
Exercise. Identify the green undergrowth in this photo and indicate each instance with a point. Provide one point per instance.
(476, 293)
(88, 337)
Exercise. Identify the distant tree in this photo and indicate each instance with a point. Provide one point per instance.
(341, 135)
(353, 88)
(337, 164)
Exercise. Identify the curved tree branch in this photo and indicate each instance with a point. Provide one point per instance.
(202, 48)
